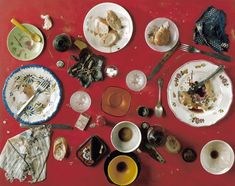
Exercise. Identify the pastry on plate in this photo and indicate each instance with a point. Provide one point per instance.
(113, 20)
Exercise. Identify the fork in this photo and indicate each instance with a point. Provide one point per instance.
(192, 49)
(40, 88)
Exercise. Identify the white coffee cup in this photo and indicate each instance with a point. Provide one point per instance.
(126, 136)
(217, 157)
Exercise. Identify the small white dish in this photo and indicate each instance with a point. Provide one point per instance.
(217, 157)
(126, 136)
(136, 80)
(21, 46)
(124, 33)
(158, 22)
(80, 101)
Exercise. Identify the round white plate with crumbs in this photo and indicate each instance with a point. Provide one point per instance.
(22, 84)
(98, 32)
(21, 46)
(205, 107)
(156, 24)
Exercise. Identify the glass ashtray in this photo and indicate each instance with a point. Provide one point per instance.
(80, 101)
(136, 80)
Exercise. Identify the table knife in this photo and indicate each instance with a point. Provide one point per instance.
(163, 60)
(53, 126)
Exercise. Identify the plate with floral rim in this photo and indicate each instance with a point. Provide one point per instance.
(220, 96)
(22, 84)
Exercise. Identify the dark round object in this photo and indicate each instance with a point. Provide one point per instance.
(214, 154)
(143, 111)
(62, 42)
(189, 155)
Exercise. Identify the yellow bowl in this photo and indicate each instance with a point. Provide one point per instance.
(122, 170)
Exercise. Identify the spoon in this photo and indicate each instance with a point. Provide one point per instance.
(35, 37)
(158, 110)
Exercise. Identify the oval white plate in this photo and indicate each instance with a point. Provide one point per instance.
(222, 87)
(44, 106)
(158, 22)
(100, 10)
(21, 46)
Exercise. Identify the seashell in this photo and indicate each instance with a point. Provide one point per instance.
(60, 148)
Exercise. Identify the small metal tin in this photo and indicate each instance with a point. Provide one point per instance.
(60, 64)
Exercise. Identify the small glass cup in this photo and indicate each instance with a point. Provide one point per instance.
(62, 42)
(136, 80)
(80, 101)
(156, 135)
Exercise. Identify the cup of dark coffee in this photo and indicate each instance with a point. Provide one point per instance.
(156, 135)
(126, 136)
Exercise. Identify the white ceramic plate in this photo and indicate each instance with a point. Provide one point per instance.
(20, 86)
(221, 84)
(21, 46)
(158, 22)
(100, 10)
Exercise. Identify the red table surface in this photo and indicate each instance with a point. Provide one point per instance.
(68, 18)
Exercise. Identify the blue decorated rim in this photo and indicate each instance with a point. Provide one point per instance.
(58, 97)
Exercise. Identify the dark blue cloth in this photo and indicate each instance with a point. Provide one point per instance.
(210, 30)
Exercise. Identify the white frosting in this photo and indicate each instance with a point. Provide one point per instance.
(47, 22)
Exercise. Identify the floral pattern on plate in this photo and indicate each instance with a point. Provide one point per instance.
(198, 70)
(22, 84)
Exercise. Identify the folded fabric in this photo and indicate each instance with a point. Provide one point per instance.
(26, 154)
(210, 30)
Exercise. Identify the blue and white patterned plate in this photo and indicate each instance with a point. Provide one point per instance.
(22, 84)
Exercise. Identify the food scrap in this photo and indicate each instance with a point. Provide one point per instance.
(60, 148)
(160, 36)
(200, 101)
(108, 29)
(47, 22)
